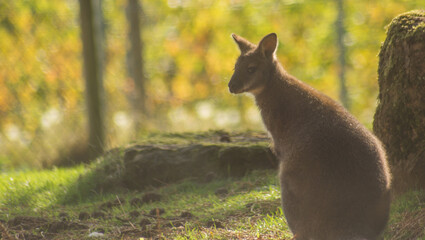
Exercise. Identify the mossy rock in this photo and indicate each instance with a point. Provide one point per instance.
(161, 159)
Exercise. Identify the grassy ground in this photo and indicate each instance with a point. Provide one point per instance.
(61, 204)
(37, 204)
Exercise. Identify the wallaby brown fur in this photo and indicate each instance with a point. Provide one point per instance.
(334, 176)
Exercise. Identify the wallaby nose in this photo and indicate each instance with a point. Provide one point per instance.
(230, 85)
(233, 85)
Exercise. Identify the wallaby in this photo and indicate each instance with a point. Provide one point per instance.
(335, 180)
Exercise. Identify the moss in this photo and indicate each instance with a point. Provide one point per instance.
(399, 118)
(219, 138)
(162, 158)
(407, 24)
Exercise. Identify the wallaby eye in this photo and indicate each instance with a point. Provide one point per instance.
(251, 69)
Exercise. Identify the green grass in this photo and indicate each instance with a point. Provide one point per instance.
(36, 190)
(250, 210)
(407, 217)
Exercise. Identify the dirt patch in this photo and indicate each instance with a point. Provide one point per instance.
(26, 222)
(215, 224)
(28, 227)
(132, 225)
(58, 226)
(157, 211)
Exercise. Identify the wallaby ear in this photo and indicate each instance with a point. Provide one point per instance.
(243, 44)
(268, 45)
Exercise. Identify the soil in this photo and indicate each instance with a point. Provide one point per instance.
(28, 227)
(215, 223)
(157, 211)
(31, 228)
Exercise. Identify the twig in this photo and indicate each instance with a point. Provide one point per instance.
(119, 201)
(134, 227)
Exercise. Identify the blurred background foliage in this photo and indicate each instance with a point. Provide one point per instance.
(188, 56)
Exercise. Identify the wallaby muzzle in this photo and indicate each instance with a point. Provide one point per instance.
(235, 86)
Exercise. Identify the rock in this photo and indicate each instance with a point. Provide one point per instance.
(96, 234)
(237, 161)
(130, 154)
(154, 165)
(169, 158)
(159, 164)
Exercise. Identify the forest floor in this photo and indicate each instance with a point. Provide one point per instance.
(60, 203)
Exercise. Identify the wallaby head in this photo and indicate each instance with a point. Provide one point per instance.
(253, 65)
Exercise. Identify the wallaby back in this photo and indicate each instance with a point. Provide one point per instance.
(334, 176)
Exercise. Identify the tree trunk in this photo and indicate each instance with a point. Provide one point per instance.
(135, 62)
(400, 117)
(92, 48)
(340, 28)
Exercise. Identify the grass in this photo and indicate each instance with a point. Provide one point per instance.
(50, 203)
(35, 190)
(407, 217)
(248, 208)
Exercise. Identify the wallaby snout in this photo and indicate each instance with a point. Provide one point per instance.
(235, 86)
